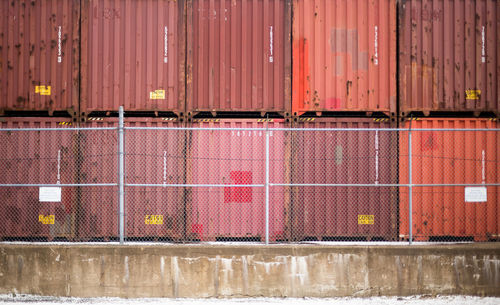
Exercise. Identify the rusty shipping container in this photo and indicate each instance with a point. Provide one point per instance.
(39, 56)
(239, 56)
(344, 56)
(133, 56)
(344, 157)
(450, 157)
(34, 157)
(449, 56)
(151, 156)
(225, 157)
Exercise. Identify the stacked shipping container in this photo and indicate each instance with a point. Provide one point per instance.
(199, 58)
(39, 56)
(459, 157)
(449, 56)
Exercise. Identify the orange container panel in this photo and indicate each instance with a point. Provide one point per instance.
(450, 157)
(449, 56)
(344, 56)
(132, 55)
(39, 56)
(239, 56)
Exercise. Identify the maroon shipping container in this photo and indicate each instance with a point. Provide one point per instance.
(133, 55)
(34, 157)
(235, 157)
(153, 157)
(39, 55)
(239, 56)
(449, 56)
(344, 157)
(344, 56)
(451, 157)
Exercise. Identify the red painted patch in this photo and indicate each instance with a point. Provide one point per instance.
(333, 103)
(197, 228)
(239, 194)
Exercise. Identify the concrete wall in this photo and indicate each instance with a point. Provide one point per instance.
(253, 270)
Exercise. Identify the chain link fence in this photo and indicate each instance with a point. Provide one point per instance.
(249, 184)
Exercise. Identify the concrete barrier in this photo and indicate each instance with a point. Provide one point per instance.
(199, 271)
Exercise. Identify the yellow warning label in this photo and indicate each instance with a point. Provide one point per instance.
(157, 95)
(366, 219)
(43, 90)
(46, 219)
(64, 123)
(153, 219)
(472, 94)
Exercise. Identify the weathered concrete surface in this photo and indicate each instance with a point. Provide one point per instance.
(253, 270)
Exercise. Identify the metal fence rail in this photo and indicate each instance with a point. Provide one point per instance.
(257, 184)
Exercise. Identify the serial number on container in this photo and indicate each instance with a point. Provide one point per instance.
(153, 219)
(366, 219)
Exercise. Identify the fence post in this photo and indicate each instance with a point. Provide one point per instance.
(121, 172)
(267, 186)
(410, 187)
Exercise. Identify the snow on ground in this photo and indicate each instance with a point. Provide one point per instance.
(413, 300)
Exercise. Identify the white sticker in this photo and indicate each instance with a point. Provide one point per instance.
(49, 194)
(59, 45)
(475, 194)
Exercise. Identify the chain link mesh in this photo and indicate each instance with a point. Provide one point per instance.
(210, 184)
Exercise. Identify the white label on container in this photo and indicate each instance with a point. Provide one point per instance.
(375, 56)
(483, 51)
(59, 45)
(271, 57)
(165, 47)
(49, 194)
(475, 194)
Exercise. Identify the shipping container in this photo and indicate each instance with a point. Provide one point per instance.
(450, 157)
(151, 157)
(233, 157)
(323, 155)
(448, 56)
(39, 56)
(35, 157)
(133, 56)
(344, 56)
(239, 56)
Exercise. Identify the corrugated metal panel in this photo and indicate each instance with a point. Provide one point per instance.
(235, 157)
(451, 157)
(39, 43)
(152, 156)
(30, 158)
(344, 56)
(343, 157)
(133, 55)
(449, 55)
(239, 55)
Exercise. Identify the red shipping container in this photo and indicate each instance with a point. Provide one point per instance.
(448, 55)
(153, 157)
(133, 55)
(344, 157)
(39, 55)
(239, 56)
(36, 157)
(450, 157)
(344, 56)
(235, 157)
